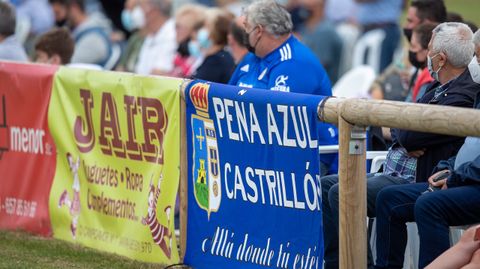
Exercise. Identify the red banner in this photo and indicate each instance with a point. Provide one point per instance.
(27, 150)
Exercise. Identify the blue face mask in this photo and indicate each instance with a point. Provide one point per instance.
(133, 19)
(474, 68)
(432, 72)
(127, 20)
(194, 49)
(203, 38)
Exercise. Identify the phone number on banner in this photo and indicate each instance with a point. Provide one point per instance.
(18, 207)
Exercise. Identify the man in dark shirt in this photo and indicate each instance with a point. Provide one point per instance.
(450, 52)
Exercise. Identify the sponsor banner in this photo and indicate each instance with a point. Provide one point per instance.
(117, 138)
(254, 195)
(27, 151)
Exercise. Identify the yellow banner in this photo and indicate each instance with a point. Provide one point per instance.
(117, 172)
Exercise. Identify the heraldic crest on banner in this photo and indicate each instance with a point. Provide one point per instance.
(206, 160)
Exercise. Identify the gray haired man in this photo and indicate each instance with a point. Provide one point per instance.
(450, 51)
(282, 63)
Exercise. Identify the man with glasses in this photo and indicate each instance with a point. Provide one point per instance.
(450, 52)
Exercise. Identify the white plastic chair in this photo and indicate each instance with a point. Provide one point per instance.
(371, 41)
(115, 55)
(349, 34)
(377, 157)
(85, 66)
(411, 249)
(328, 149)
(456, 232)
(355, 83)
(22, 29)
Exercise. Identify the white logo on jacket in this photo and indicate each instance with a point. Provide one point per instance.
(281, 84)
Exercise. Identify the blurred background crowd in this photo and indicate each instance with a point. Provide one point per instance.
(205, 38)
(368, 48)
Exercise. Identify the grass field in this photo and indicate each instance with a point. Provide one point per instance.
(21, 250)
(469, 9)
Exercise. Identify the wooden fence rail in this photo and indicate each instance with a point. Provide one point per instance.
(351, 115)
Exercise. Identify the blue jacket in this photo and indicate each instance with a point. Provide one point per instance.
(467, 173)
(292, 67)
(462, 93)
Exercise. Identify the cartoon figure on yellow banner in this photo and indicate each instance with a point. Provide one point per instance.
(74, 204)
(160, 233)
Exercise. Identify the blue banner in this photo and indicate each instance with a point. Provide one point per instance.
(254, 194)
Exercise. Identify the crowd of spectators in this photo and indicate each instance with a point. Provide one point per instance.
(141, 35)
(299, 46)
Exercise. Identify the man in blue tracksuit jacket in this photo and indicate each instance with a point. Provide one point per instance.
(278, 61)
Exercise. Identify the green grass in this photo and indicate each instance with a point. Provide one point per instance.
(469, 9)
(21, 250)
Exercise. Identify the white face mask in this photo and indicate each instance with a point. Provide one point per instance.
(138, 17)
(474, 68)
(133, 19)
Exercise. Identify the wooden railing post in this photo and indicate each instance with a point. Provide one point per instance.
(438, 119)
(352, 196)
(183, 186)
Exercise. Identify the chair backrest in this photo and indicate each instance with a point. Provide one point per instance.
(22, 29)
(85, 66)
(349, 34)
(100, 32)
(377, 157)
(355, 83)
(377, 162)
(371, 43)
(115, 55)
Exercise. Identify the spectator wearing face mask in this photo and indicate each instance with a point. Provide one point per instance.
(417, 56)
(60, 12)
(450, 52)
(238, 43)
(458, 197)
(282, 62)
(397, 82)
(91, 33)
(320, 36)
(236, 40)
(133, 20)
(188, 19)
(158, 49)
(208, 45)
(399, 168)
